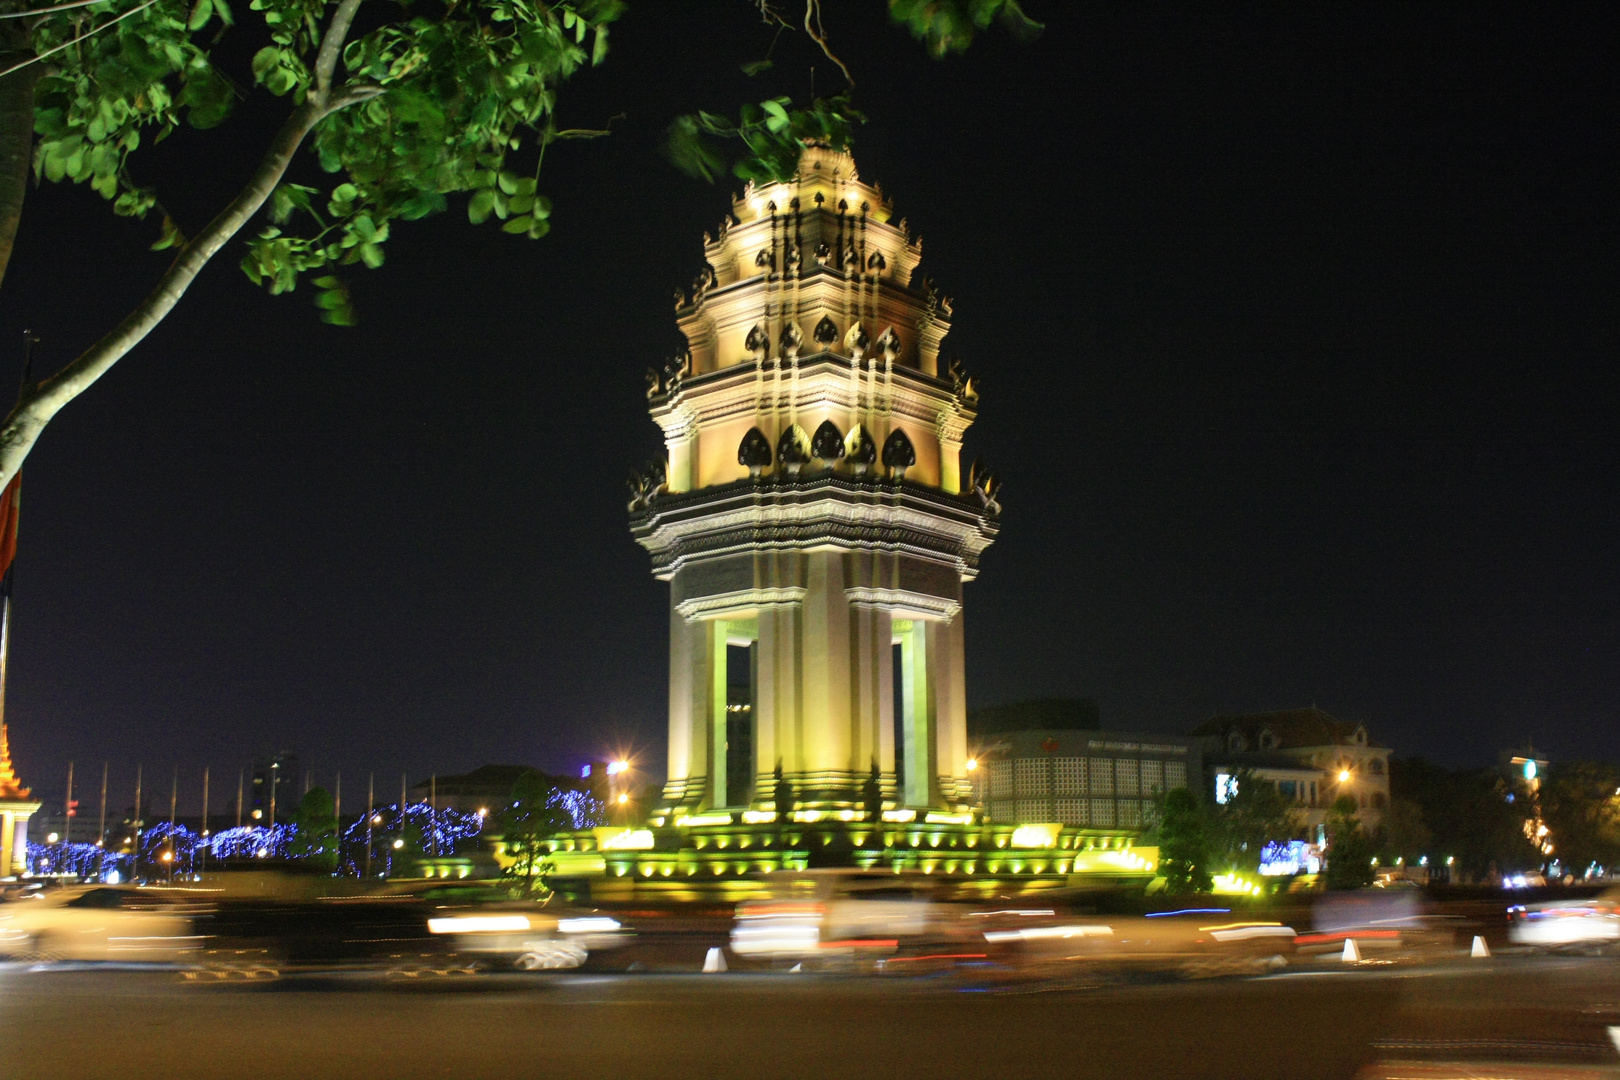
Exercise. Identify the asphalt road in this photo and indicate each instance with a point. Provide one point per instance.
(1508, 1016)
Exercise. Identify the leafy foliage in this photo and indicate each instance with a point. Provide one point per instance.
(1469, 814)
(1580, 803)
(432, 106)
(1183, 844)
(1255, 814)
(772, 134)
(1350, 849)
(314, 836)
(123, 73)
(537, 812)
(949, 26)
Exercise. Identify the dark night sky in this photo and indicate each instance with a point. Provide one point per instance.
(1295, 324)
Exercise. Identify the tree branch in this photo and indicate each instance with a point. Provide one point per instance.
(38, 404)
(819, 36)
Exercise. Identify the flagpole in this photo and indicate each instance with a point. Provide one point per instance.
(204, 864)
(101, 824)
(135, 856)
(67, 812)
(174, 799)
(371, 802)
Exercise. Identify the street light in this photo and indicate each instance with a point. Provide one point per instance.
(1344, 776)
(972, 763)
(398, 844)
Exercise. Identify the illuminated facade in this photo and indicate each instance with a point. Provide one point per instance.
(813, 517)
(1312, 758)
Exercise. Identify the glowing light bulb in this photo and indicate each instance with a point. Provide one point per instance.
(1344, 776)
(972, 763)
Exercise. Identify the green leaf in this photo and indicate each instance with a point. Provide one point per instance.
(599, 47)
(508, 182)
(201, 12)
(371, 255)
(519, 224)
(479, 207)
(777, 115)
(754, 67)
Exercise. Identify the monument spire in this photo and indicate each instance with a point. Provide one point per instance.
(815, 591)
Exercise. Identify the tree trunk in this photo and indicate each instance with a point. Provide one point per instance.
(16, 133)
(39, 403)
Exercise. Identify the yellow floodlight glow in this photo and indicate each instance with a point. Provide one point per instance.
(899, 815)
(1344, 776)
(625, 839)
(971, 764)
(949, 819)
(704, 819)
(1036, 836)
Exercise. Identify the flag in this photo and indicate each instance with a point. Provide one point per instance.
(10, 505)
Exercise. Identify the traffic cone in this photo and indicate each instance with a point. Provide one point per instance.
(1352, 951)
(715, 962)
(1480, 949)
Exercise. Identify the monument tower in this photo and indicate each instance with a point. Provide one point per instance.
(812, 517)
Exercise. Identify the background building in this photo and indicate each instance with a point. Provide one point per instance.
(1045, 761)
(1308, 754)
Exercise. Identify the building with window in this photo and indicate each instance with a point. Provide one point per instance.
(1085, 779)
(1309, 755)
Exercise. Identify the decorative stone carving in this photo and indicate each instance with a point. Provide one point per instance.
(859, 450)
(765, 259)
(983, 483)
(758, 343)
(793, 449)
(963, 385)
(791, 340)
(856, 342)
(754, 452)
(889, 343)
(825, 333)
(898, 453)
(823, 252)
(877, 262)
(827, 443)
(646, 484)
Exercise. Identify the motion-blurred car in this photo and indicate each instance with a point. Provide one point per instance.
(1567, 923)
(838, 915)
(529, 937)
(97, 923)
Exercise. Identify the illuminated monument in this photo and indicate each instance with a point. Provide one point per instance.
(814, 520)
(15, 809)
(816, 526)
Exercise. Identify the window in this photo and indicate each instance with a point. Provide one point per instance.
(1130, 813)
(1376, 766)
(1002, 813)
(1032, 810)
(1101, 774)
(1175, 775)
(1001, 779)
(1126, 778)
(1069, 775)
(1153, 778)
(1235, 742)
(1102, 813)
(1286, 787)
(1030, 776)
(1071, 811)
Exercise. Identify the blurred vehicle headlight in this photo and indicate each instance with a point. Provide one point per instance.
(598, 924)
(478, 924)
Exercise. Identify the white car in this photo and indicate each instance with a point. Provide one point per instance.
(96, 923)
(1591, 922)
(528, 936)
(815, 913)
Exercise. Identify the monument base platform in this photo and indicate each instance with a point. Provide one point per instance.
(720, 856)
